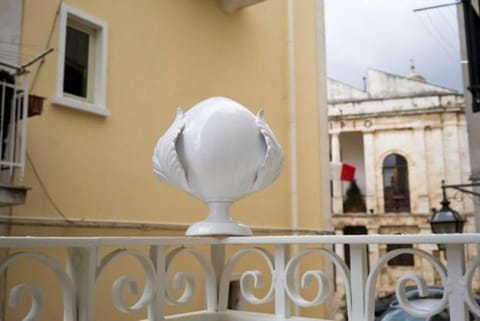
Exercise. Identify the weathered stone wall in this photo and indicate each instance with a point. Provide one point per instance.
(426, 125)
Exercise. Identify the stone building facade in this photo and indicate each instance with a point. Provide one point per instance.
(404, 136)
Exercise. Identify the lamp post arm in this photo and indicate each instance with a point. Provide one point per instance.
(460, 187)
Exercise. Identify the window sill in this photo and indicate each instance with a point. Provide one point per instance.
(80, 105)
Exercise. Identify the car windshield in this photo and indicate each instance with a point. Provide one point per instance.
(414, 294)
(399, 315)
(432, 293)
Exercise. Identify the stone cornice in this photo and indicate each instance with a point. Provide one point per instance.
(408, 112)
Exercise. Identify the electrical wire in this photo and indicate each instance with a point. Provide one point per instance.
(452, 12)
(439, 33)
(438, 40)
(449, 24)
(45, 190)
(49, 39)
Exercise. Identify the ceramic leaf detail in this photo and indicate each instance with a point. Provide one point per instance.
(166, 163)
(273, 161)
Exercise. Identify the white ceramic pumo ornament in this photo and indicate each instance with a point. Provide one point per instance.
(219, 152)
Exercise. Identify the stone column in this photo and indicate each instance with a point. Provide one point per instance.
(337, 202)
(454, 161)
(435, 164)
(451, 151)
(418, 180)
(465, 170)
(370, 174)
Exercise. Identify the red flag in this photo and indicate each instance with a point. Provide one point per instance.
(342, 171)
(348, 172)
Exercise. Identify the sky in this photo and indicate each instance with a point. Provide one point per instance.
(387, 34)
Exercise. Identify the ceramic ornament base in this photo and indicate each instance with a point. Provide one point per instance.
(208, 228)
(218, 223)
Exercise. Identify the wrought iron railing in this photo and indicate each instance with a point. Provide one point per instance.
(285, 265)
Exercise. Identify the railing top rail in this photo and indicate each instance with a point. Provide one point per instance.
(55, 241)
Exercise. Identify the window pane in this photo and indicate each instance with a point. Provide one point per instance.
(395, 184)
(390, 160)
(75, 79)
(400, 160)
(388, 177)
(394, 160)
(402, 180)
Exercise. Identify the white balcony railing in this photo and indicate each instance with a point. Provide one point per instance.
(287, 264)
(13, 131)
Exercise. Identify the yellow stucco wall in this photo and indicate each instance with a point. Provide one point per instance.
(164, 54)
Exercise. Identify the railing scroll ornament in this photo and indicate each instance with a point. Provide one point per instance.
(400, 289)
(322, 279)
(120, 283)
(470, 297)
(187, 281)
(37, 300)
(37, 306)
(255, 275)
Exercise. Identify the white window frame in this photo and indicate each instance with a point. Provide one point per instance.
(96, 103)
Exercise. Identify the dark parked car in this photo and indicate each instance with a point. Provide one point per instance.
(387, 307)
(396, 313)
(383, 303)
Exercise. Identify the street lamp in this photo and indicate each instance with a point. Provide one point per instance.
(447, 220)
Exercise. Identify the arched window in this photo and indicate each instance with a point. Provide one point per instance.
(396, 193)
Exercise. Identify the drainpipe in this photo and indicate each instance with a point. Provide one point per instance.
(293, 115)
(293, 133)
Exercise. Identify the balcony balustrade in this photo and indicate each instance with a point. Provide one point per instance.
(171, 271)
(13, 131)
(14, 102)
